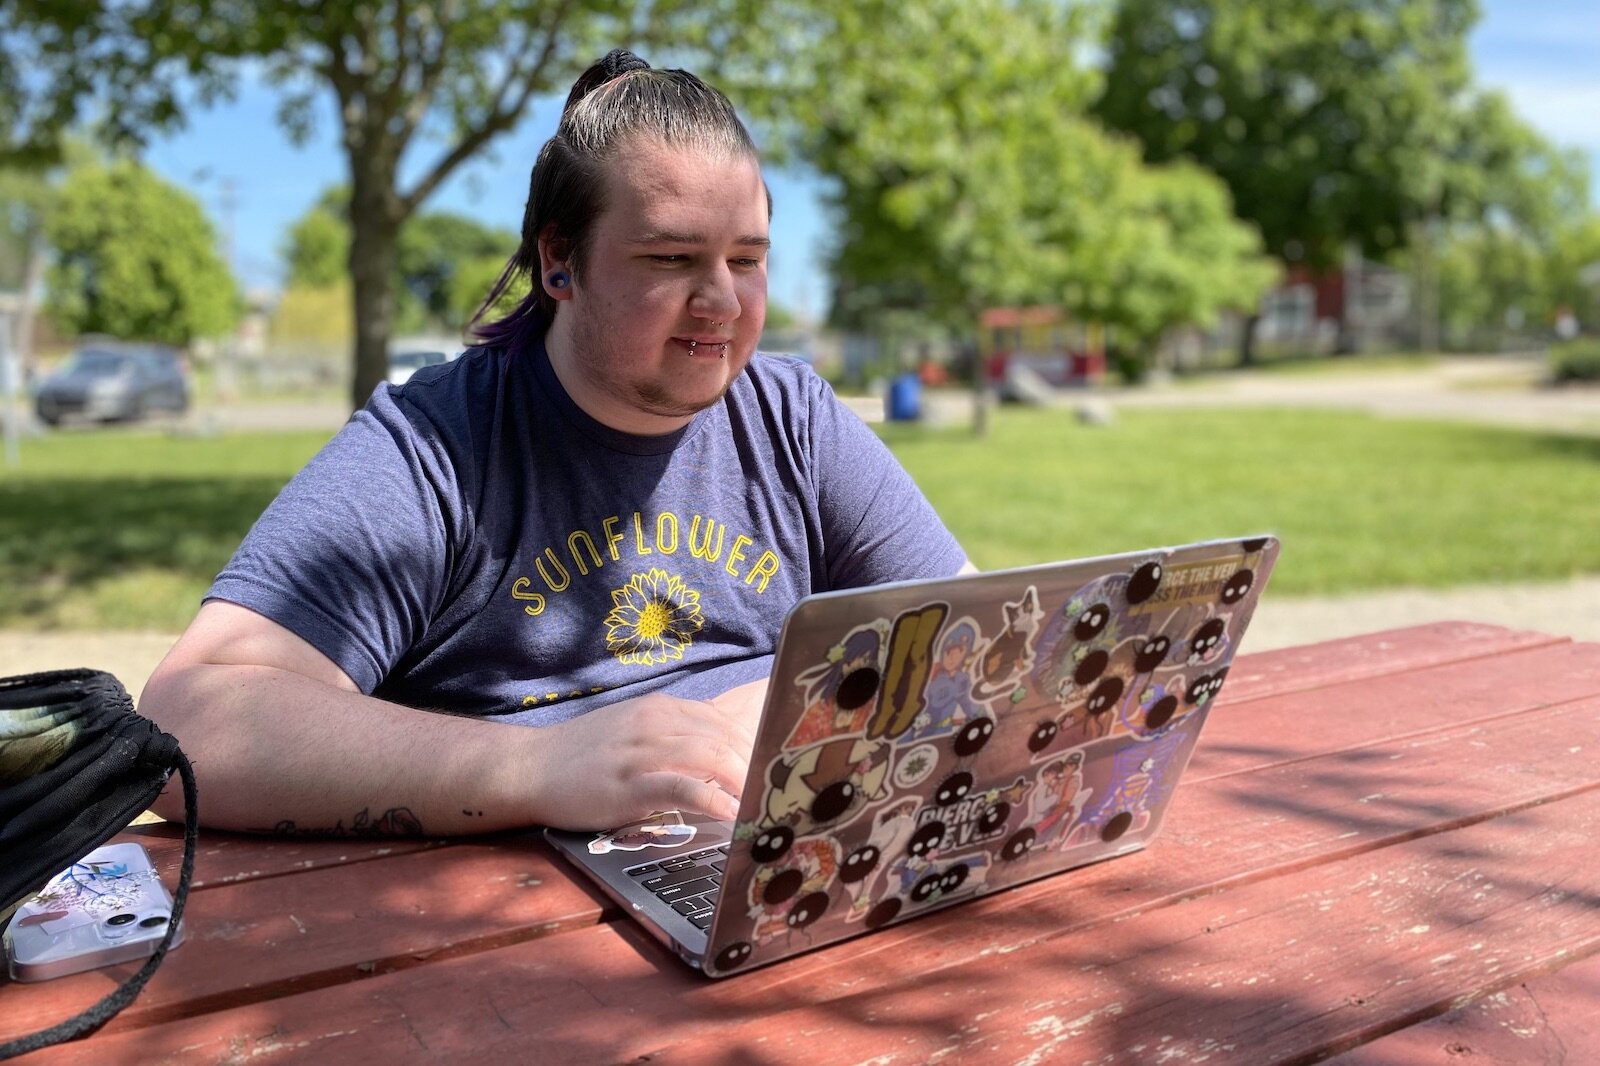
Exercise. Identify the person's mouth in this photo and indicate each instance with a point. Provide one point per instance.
(704, 344)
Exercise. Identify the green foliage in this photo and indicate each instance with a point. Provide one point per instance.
(470, 285)
(1574, 279)
(966, 176)
(433, 247)
(1498, 280)
(1575, 361)
(135, 258)
(1325, 117)
(1332, 120)
(318, 249)
(314, 317)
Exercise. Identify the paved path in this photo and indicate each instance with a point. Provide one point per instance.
(1502, 390)
(1570, 608)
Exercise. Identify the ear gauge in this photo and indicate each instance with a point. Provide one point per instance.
(558, 279)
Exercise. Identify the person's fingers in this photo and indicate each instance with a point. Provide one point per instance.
(672, 791)
(705, 720)
(700, 759)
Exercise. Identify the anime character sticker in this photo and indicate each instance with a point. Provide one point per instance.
(949, 702)
(792, 894)
(1057, 799)
(1141, 776)
(1006, 658)
(825, 785)
(665, 829)
(841, 693)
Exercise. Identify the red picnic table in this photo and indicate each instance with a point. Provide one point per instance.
(1384, 851)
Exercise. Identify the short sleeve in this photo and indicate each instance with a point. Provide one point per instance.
(354, 554)
(876, 524)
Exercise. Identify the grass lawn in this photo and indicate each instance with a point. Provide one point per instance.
(125, 529)
(1360, 502)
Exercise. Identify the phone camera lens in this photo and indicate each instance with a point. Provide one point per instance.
(120, 919)
(155, 921)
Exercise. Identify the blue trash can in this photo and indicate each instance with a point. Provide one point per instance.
(904, 400)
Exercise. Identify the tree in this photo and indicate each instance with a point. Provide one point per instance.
(965, 175)
(317, 249)
(136, 258)
(470, 283)
(452, 74)
(433, 249)
(1332, 121)
(24, 198)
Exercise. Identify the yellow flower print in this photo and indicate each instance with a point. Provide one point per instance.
(656, 616)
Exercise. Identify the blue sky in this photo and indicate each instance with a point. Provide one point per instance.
(1544, 53)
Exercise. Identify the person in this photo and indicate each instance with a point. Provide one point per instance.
(592, 523)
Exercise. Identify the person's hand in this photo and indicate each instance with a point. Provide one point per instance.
(743, 705)
(624, 762)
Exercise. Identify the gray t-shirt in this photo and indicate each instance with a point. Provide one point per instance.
(473, 542)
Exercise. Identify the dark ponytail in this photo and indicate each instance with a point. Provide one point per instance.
(619, 97)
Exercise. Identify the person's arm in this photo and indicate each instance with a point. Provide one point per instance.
(282, 741)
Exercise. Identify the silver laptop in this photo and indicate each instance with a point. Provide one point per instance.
(924, 743)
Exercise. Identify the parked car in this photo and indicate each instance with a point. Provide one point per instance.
(403, 364)
(114, 383)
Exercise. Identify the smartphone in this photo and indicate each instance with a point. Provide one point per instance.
(108, 907)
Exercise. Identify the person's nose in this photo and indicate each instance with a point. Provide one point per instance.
(717, 298)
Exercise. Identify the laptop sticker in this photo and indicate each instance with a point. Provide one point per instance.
(662, 830)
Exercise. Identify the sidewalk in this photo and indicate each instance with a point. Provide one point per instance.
(1569, 608)
(1500, 390)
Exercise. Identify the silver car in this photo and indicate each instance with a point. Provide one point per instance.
(114, 383)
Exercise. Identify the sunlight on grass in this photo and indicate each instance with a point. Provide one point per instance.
(1359, 502)
(126, 530)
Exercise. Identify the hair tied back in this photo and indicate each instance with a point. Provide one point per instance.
(617, 62)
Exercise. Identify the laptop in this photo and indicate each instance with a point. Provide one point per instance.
(924, 743)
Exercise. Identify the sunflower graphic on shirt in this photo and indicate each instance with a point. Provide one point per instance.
(654, 618)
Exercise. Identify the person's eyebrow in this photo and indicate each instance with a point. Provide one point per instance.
(749, 240)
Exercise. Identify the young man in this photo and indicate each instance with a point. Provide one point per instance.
(594, 524)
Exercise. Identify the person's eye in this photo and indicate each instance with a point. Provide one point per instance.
(747, 263)
(669, 259)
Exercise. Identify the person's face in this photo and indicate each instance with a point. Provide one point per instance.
(953, 655)
(676, 268)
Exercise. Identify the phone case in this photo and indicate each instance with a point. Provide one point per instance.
(106, 908)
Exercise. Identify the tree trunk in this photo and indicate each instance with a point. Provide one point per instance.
(374, 238)
(1247, 339)
(32, 276)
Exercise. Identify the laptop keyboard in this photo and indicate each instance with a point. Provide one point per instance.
(689, 882)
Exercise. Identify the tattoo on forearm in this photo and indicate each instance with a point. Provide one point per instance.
(395, 822)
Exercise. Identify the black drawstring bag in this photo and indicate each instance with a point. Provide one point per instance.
(77, 765)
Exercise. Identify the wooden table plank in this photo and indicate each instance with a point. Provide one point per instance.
(227, 858)
(1279, 971)
(1236, 829)
(1350, 717)
(1394, 651)
(1550, 1019)
(269, 937)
